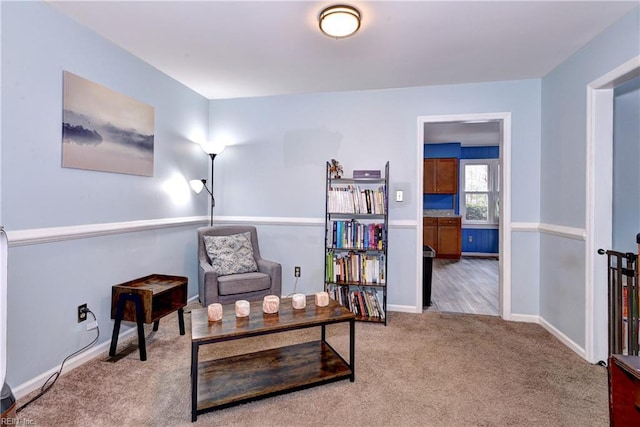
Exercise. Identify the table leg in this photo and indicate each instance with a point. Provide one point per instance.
(140, 321)
(194, 381)
(116, 326)
(155, 325)
(181, 320)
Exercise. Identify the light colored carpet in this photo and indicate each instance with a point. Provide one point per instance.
(431, 369)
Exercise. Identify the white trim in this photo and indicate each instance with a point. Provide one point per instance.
(265, 220)
(288, 221)
(525, 318)
(618, 76)
(599, 198)
(562, 337)
(563, 231)
(525, 226)
(530, 318)
(493, 168)
(505, 205)
(555, 230)
(404, 308)
(36, 383)
(58, 234)
(38, 236)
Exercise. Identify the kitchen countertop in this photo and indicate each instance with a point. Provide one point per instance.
(439, 213)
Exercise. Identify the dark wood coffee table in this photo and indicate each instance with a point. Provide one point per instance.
(232, 380)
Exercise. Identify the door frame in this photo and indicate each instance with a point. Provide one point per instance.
(599, 203)
(504, 229)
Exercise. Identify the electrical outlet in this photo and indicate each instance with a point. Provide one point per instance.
(296, 271)
(82, 313)
(470, 239)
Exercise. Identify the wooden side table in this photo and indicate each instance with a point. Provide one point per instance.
(146, 300)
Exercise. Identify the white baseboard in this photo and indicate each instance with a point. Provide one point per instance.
(36, 383)
(525, 318)
(404, 308)
(563, 338)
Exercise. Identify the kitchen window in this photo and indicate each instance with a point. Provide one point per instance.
(480, 191)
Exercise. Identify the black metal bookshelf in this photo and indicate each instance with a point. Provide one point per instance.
(356, 243)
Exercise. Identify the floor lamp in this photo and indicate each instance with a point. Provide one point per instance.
(212, 149)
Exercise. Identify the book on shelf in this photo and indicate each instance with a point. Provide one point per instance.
(352, 234)
(364, 302)
(355, 267)
(351, 199)
(356, 243)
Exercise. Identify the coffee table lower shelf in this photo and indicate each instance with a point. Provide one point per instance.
(247, 377)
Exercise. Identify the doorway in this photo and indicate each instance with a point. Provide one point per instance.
(504, 252)
(599, 212)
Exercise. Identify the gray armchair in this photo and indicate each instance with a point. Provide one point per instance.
(252, 286)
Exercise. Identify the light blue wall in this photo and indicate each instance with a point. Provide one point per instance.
(275, 170)
(626, 169)
(48, 281)
(563, 162)
(277, 167)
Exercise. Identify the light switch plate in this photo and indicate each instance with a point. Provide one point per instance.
(399, 196)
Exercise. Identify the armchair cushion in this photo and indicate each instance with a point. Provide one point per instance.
(243, 283)
(231, 254)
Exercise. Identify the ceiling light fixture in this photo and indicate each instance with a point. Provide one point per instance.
(339, 21)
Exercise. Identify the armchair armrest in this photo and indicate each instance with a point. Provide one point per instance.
(274, 270)
(207, 283)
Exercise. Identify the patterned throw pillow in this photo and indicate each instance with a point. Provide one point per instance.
(231, 254)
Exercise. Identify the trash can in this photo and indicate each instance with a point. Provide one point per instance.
(428, 254)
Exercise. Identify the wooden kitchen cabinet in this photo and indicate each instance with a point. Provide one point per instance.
(449, 238)
(443, 234)
(441, 176)
(430, 232)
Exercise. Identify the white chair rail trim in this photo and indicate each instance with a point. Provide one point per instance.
(58, 234)
(554, 230)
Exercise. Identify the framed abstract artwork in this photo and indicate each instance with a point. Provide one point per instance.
(104, 130)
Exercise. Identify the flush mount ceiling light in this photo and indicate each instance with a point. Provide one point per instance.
(339, 21)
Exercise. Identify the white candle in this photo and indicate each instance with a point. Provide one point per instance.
(270, 304)
(299, 301)
(322, 299)
(242, 308)
(214, 312)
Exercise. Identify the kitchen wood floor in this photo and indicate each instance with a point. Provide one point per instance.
(468, 285)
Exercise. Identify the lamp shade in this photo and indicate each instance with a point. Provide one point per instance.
(211, 147)
(196, 185)
(339, 21)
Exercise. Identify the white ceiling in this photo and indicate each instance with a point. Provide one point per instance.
(230, 49)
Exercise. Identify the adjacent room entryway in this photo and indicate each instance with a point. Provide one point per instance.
(479, 282)
(468, 285)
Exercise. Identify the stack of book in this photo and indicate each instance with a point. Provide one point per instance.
(354, 200)
(363, 302)
(352, 234)
(352, 267)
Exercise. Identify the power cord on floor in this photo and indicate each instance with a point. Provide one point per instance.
(54, 377)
